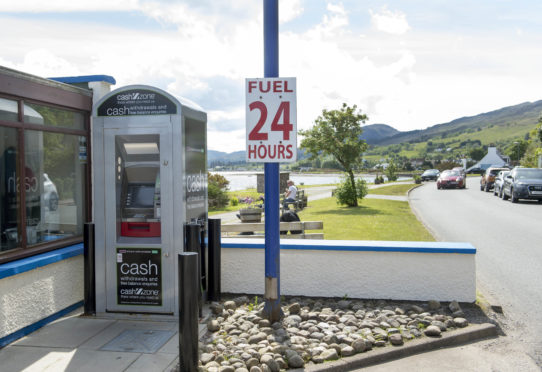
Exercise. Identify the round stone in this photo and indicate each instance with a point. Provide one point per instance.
(230, 305)
(461, 322)
(347, 351)
(213, 325)
(330, 354)
(296, 361)
(396, 339)
(432, 331)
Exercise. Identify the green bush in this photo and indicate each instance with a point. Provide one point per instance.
(391, 171)
(234, 201)
(417, 179)
(346, 195)
(217, 186)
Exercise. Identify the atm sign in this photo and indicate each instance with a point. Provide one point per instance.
(271, 120)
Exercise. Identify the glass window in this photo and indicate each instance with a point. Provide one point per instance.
(9, 180)
(8, 110)
(55, 182)
(38, 114)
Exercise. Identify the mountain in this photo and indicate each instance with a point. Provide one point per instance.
(238, 157)
(376, 133)
(225, 158)
(521, 115)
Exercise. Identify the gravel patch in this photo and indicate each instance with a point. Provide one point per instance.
(317, 330)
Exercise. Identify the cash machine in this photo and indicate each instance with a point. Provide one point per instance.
(150, 179)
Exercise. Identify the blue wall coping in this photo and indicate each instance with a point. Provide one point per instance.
(84, 79)
(44, 259)
(355, 245)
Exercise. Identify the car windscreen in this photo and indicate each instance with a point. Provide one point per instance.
(533, 174)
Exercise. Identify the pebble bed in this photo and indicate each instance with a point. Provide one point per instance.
(312, 331)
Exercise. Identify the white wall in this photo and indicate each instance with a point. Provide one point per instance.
(357, 274)
(31, 296)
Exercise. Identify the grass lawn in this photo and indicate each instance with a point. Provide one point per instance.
(374, 219)
(398, 190)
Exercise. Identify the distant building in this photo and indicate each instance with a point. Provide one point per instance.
(492, 159)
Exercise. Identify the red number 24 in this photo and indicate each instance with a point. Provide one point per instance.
(285, 127)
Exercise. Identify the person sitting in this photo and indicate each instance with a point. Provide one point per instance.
(289, 195)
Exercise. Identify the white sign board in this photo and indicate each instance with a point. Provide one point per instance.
(271, 119)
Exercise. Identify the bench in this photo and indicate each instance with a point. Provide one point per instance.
(258, 230)
(300, 201)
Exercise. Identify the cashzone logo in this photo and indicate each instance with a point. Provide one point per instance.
(136, 96)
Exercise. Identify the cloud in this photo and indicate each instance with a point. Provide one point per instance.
(66, 6)
(390, 22)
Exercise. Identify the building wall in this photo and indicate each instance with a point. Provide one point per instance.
(364, 271)
(31, 296)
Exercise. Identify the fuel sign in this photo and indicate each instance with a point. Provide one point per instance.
(271, 120)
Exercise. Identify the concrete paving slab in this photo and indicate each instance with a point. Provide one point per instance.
(42, 359)
(28, 358)
(66, 332)
(113, 330)
(152, 362)
(172, 346)
(139, 341)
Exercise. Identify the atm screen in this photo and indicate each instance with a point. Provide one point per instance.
(140, 196)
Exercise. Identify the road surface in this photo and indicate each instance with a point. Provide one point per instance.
(508, 239)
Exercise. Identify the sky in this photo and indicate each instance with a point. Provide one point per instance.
(409, 64)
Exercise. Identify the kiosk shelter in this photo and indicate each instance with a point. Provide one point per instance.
(150, 156)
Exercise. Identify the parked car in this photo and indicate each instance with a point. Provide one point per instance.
(523, 183)
(450, 179)
(463, 174)
(497, 185)
(488, 178)
(430, 174)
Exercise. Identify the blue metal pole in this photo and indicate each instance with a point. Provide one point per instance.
(272, 310)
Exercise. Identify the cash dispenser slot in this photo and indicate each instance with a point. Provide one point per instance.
(140, 206)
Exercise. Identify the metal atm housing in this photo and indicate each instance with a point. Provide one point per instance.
(150, 179)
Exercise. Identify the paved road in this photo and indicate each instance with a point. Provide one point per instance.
(508, 238)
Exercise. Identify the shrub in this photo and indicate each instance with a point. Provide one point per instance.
(417, 179)
(216, 190)
(347, 196)
(234, 201)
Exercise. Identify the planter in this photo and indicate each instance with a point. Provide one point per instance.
(250, 215)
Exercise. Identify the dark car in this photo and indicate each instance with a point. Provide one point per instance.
(450, 179)
(430, 174)
(523, 183)
(488, 178)
(499, 180)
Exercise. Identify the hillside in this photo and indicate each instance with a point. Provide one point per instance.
(376, 133)
(522, 115)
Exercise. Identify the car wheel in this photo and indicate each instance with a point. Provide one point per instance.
(503, 195)
(481, 187)
(494, 191)
(486, 188)
(513, 197)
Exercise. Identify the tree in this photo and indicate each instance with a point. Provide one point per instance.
(391, 171)
(337, 133)
(477, 153)
(217, 186)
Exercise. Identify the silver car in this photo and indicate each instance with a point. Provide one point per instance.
(497, 185)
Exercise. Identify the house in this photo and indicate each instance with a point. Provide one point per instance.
(492, 158)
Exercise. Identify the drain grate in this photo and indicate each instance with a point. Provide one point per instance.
(139, 341)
